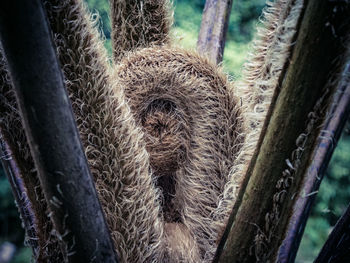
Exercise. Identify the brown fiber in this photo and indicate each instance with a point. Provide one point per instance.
(193, 131)
(167, 137)
(13, 133)
(139, 24)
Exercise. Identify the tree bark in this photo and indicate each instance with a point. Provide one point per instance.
(212, 34)
(52, 133)
(319, 57)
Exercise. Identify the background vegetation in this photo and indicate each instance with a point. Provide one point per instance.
(334, 194)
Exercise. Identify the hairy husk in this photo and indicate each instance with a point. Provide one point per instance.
(269, 56)
(167, 137)
(193, 130)
(113, 143)
(12, 131)
(138, 24)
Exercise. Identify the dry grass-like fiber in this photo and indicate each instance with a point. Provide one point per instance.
(193, 132)
(167, 137)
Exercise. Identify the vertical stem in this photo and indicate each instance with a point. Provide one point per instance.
(336, 248)
(212, 34)
(22, 164)
(52, 133)
(260, 223)
(314, 175)
(20, 194)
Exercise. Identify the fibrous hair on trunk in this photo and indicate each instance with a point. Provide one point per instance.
(193, 130)
(108, 133)
(137, 24)
(168, 138)
(113, 143)
(205, 215)
(260, 221)
(12, 131)
(266, 63)
(260, 79)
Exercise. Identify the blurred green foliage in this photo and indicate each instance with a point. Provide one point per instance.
(243, 20)
(188, 15)
(334, 194)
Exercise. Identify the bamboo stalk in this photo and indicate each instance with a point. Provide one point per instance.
(320, 159)
(260, 222)
(52, 133)
(212, 34)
